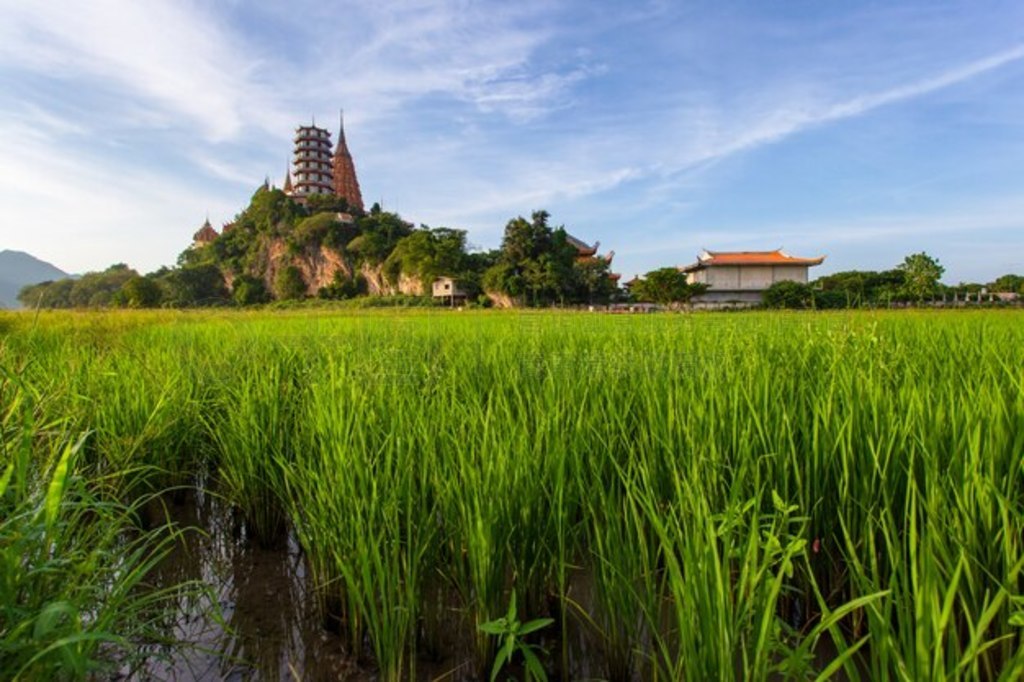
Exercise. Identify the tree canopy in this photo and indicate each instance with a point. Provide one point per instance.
(922, 274)
(665, 286)
(538, 265)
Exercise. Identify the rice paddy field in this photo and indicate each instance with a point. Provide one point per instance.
(364, 495)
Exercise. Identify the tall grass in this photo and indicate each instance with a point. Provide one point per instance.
(695, 497)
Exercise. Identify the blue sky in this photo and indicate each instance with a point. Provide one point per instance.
(863, 131)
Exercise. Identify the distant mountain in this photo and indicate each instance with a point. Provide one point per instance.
(18, 269)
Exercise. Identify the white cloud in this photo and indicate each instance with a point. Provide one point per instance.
(168, 52)
(82, 213)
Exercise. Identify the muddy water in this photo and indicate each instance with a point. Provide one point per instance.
(269, 624)
(258, 617)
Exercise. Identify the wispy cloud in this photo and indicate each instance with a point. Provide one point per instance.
(773, 122)
(171, 53)
(67, 208)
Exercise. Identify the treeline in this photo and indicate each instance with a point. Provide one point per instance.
(279, 250)
(914, 281)
(123, 287)
(264, 255)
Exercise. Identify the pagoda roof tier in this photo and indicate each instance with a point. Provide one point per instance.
(314, 134)
(777, 257)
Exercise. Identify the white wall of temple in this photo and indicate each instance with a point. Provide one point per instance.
(749, 277)
(723, 277)
(793, 273)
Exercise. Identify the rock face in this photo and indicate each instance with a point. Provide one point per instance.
(502, 300)
(377, 283)
(320, 264)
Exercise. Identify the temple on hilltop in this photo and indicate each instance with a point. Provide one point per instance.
(315, 170)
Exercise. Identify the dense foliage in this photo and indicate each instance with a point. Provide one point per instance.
(665, 286)
(788, 294)
(921, 275)
(92, 290)
(539, 265)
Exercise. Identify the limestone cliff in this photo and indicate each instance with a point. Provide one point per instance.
(321, 266)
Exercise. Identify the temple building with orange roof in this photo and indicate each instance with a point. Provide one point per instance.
(741, 277)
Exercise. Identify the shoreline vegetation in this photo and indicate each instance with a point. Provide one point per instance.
(758, 496)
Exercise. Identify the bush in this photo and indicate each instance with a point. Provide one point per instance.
(250, 290)
(831, 300)
(788, 294)
(289, 284)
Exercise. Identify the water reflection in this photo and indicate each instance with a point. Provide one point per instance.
(269, 626)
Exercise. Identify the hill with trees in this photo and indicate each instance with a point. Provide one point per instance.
(277, 249)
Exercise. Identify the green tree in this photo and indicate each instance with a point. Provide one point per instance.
(536, 263)
(504, 277)
(326, 203)
(97, 289)
(249, 290)
(526, 240)
(312, 231)
(140, 292)
(289, 284)
(665, 286)
(922, 274)
(854, 288)
(594, 281)
(379, 231)
(1009, 284)
(199, 285)
(56, 294)
(427, 254)
(342, 287)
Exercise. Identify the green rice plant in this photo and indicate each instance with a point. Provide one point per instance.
(251, 421)
(707, 496)
(360, 509)
(626, 584)
(73, 598)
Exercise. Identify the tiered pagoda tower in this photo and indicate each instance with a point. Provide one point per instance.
(311, 167)
(346, 185)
